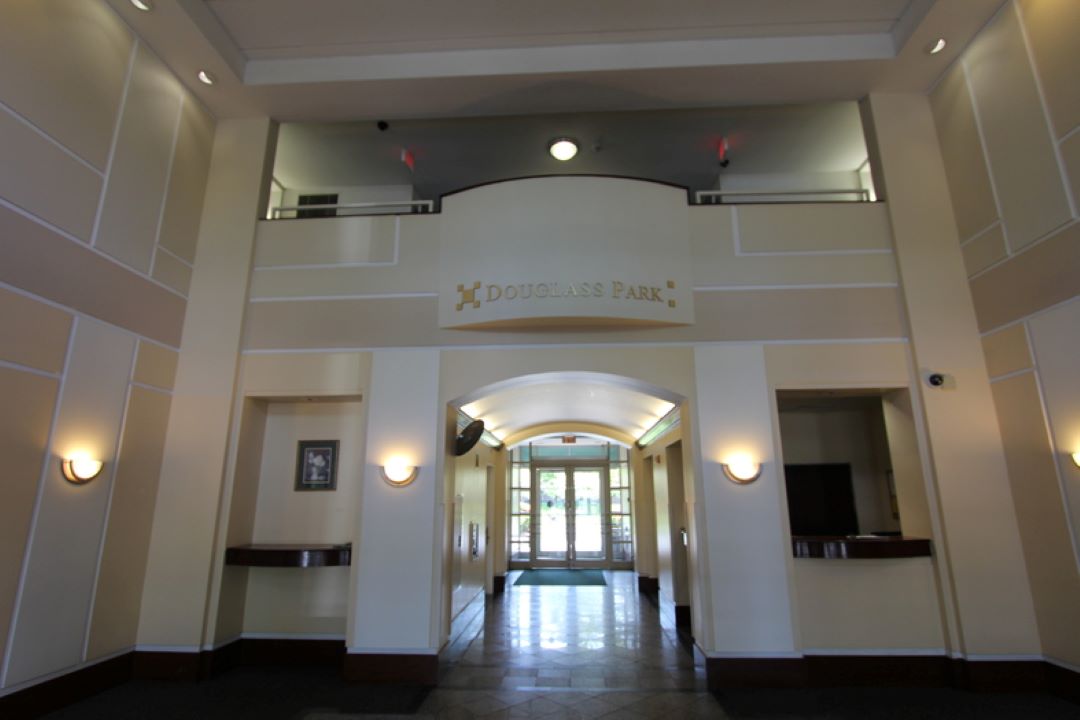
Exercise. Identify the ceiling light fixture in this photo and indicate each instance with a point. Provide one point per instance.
(563, 148)
(937, 47)
(206, 78)
(144, 5)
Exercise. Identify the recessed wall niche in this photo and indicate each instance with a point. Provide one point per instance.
(851, 463)
(267, 509)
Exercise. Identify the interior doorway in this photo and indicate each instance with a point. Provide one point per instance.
(570, 506)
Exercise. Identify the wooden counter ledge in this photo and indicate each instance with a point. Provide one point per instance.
(299, 555)
(858, 547)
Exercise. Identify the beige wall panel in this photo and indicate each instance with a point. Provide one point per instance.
(295, 374)
(1055, 340)
(1070, 153)
(1048, 549)
(172, 272)
(1051, 29)
(50, 623)
(283, 515)
(241, 520)
(322, 241)
(868, 605)
(877, 365)
(802, 227)
(965, 164)
(415, 271)
(1018, 143)
(984, 251)
(1007, 351)
(131, 512)
(32, 333)
(903, 441)
(836, 313)
(1043, 276)
(128, 226)
(46, 264)
(23, 436)
(715, 264)
(284, 602)
(79, 53)
(44, 180)
(187, 182)
(155, 365)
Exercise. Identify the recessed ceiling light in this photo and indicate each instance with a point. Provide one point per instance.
(563, 148)
(937, 47)
(206, 78)
(144, 5)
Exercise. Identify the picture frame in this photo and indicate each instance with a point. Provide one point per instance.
(316, 465)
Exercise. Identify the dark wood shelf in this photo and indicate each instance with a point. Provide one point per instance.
(858, 547)
(301, 556)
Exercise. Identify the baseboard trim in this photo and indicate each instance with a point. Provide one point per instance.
(64, 690)
(823, 671)
(682, 617)
(391, 669)
(242, 651)
(499, 585)
(648, 585)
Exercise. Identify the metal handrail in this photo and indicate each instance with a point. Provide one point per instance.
(863, 193)
(424, 206)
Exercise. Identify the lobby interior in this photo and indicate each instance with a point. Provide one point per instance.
(782, 359)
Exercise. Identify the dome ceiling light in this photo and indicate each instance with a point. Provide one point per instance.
(563, 148)
(206, 78)
(144, 5)
(937, 46)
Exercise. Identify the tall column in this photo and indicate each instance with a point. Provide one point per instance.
(993, 615)
(746, 526)
(395, 606)
(174, 605)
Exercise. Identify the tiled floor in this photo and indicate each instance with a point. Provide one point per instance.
(547, 652)
(571, 652)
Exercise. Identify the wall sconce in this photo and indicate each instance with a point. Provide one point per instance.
(741, 469)
(1076, 458)
(398, 472)
(80, 470)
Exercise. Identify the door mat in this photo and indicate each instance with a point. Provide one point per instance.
(561, 577)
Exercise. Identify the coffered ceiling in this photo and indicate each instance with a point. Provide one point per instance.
(334, 60)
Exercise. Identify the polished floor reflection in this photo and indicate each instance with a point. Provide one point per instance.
(581, 652)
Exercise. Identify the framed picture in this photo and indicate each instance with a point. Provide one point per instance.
(316, 465)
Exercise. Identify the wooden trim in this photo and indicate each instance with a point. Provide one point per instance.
(499, 585)
(648, 585)
(301, 556)
(859, 548)
(67, 689)
(824, 671)
(682, 617)
(391, 669)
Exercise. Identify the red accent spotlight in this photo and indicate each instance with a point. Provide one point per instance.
(721, 149)
(408, 159)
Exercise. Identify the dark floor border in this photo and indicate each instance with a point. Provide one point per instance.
(822, 671)
(648, 585)
(54, 694)
(391, 669)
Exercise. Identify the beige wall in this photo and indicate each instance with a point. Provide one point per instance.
(91, 310)
(1006, 115)
(470, 494)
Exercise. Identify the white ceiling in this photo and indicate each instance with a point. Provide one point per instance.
(510, 407)
(331, 60)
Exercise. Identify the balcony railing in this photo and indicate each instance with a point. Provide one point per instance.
(389, 207)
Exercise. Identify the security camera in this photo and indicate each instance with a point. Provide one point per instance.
(382, 125)
(935, 379)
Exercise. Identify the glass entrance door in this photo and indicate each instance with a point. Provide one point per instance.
(553, 490)
(570, 515)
